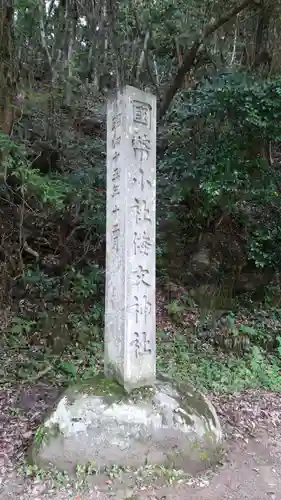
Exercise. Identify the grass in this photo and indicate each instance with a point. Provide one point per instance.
(203, 365)
(210, 369)
(143, 475)
(179, 354)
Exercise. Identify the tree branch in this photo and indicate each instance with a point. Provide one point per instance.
(234, 43)
(190, 56)
(43, 37)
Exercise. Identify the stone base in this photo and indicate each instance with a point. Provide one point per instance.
(98, 423)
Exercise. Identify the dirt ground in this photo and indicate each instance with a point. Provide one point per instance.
(251, 468)
(251, 471)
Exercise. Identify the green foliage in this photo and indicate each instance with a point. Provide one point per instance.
(50, 192)
(84, 284)
(211, 167)
(6, 143)
(175, 309)
(227, 122)
(38, 282)
(69, 368)
(21, 326)
(207, 370)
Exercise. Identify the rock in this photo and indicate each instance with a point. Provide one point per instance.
(97, 422)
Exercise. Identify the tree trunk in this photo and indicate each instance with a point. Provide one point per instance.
(191, 54)
(262, 57)
(7, 76)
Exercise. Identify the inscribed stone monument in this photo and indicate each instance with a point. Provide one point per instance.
(130, 241)
(104, 420)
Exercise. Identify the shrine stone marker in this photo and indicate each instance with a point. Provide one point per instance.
(126, 416)
(130, 355)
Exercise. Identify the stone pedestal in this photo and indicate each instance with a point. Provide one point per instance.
(100, 423)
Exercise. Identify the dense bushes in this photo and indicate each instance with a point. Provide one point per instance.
(217, 162)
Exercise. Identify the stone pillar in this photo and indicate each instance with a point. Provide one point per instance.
(130, 340)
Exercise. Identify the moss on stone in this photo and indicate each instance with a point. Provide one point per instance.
(45, 433)
(106, 388)
(52, 431)
(190, 397)
(98, 386)
(42, 436)
(209, 437)
(204, 456)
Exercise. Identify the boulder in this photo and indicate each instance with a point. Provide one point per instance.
(99, 423)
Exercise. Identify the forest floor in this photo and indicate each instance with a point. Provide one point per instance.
(250, 417)
(250, 469)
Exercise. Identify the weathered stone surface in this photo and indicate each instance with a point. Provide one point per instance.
(129, 341)
(98, 422)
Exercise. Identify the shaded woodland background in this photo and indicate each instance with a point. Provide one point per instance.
(215, 67)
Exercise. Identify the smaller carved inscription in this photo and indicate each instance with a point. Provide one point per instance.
(115, 106)
(115, 209)
(142, 243)
(116, 121)
(115, 190)
(115, 181)
(116, 174)
(115, 156)
(141, 276)
(141, 179)
(115, 237)
(115, 142)
(142, 212)
(141, 344)
(141, 146)
(115, 135)
(142, 113)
